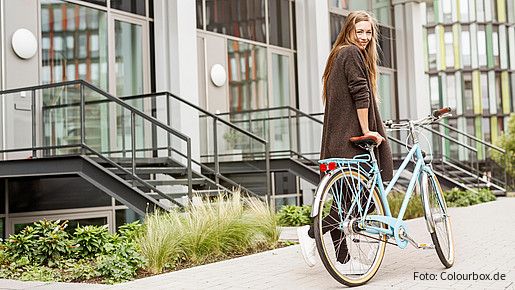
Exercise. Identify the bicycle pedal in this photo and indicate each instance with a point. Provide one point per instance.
(425, 246)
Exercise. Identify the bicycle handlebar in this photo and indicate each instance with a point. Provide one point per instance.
(437, 114)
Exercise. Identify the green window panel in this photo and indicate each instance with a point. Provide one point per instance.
(505, 89)
(501, 10)
(489, 46)
(456, 28)
(476, 89)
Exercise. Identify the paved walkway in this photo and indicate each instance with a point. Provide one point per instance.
(484, 237)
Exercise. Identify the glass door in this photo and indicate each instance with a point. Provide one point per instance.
(129, 76)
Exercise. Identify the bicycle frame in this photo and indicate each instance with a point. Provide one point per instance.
(395, 225)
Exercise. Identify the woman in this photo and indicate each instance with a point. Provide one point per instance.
(350, 97)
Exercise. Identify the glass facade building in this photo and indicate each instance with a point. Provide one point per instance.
(470, 62)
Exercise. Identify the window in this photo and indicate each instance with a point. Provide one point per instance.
(498, 92)
(430, 13)
(447, 10)
(465, 47)
(449, 48)
(72, 51)
(486, 129)
(336, 22)
(248, 81)
(387, 105)
(464, 11)
(484, 93)
(131, 6)
(245, 19)
(381, 10)
(431, 48)
(468, 97)
(451, 91)
(495, 46)
(385, 46)
(481, 45)
(480, 9)
(279, 15)
(200, 15)
(434, 92)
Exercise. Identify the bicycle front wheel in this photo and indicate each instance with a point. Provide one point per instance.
(352, 256)
(438, 219)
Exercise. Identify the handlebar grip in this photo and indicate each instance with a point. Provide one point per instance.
(439, 112)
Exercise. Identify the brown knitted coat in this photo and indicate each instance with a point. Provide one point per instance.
(348, 89)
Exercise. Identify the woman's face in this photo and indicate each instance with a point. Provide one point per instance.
(363, 33)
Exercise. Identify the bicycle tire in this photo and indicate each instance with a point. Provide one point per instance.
(326, 248)
(438, 220)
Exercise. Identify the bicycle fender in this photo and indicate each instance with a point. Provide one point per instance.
(320, 189)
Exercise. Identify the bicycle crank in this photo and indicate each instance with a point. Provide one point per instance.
(422, 246)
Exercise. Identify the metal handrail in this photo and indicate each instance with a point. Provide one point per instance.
(134, 112)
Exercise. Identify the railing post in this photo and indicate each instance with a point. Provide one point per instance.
(268, 176)
(290, 134)
(133, 145)
(169, 123)
(190, 176)
(82, 119)
(33, 108)
(215, 153)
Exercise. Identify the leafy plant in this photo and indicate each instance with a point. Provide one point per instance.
(90, 240)
(507, 142)
(413, 210)
(458, 198)
(131, 230)
(293, 216)
(43, 243)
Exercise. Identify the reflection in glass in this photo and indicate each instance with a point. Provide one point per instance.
(200, 15)
(70, 52)
(336, 22)
(431, 49)
(129, 80)
(385, 94)
(74, 46)
(384, 47)
(484, 93)
(495, 46)
(449, 49)
(464, 11)
(468, 101)
(245, 19)
(247, 76)
(451, 91)
(279, 15)
(281, 97)
(382, 11)
(131, 6)
(481, 45)
(465, 48)
(434, 92)
(430, 13)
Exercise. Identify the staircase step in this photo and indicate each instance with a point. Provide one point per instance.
(152, 170)
(194, 181)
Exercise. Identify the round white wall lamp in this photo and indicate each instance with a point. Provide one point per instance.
(24, 43)
(218, 75)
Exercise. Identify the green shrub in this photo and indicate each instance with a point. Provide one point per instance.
(507, 142)
(43, 243)
(90, 240)
(459, 198)
(294, 216)
(413, 210)
(131, 230)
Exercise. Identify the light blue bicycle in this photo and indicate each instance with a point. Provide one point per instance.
(352, 218)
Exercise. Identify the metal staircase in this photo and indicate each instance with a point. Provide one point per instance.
(127, 148)
(459, 159)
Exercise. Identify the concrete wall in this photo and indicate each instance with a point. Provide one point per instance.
(17, 72)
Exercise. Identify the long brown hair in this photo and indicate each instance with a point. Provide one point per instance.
(346, 37)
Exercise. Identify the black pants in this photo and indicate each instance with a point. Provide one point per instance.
(332, 221)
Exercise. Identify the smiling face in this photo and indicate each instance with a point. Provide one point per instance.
(363, 33)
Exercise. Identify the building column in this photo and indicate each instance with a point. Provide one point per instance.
(176, 65)
(412, 81)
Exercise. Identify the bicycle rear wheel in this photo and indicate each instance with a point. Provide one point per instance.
(350, 255)
(438, 219)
